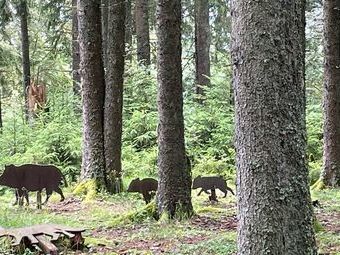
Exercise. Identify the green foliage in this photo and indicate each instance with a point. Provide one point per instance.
(212, 166)
(52, 138)
(314, 171)
(87, 189)
(314, 131)
(148, 212)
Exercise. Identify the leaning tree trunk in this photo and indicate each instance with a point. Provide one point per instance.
(174, 188)
(202, 45)
(93, 89)
(274, 207)
(75, 50)
(114, 95)
(26, 72)
(331, 150)
(142, 31)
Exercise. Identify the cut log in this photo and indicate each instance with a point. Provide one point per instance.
(46, 245)
(31, 233)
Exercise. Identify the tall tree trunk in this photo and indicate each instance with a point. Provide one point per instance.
(142, 31)
(174, 188)
(93, 89)
(274, 207)
(75, 50)
(26, 72)
(128, 29)
(202, 45)
(331, 150)
(1, 125)
(104, 17)
(114, 95)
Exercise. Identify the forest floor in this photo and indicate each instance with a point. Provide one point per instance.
(117, 225)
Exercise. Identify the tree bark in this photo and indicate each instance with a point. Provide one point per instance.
(274, 205)
(142, 31)
(93, 88)
(114, 95)
(128, 29)
(75, 50)
(331, 151)
(1, 124)
(202, 45)
(26, 72)
(174, 187)
(104, 17)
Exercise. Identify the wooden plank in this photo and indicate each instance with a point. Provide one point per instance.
(46, 245)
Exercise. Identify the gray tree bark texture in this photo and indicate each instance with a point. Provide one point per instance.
(274, 205)
(93, 90)
(114, 95)
(25, 53)
(174, 186)
(331, 92)
(142, 31)
(202, 45)
(75, 50)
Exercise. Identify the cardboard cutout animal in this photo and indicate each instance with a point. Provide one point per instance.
(37, 96)
(21, 194)
(211, 182)
(147, 187)
(33, 178)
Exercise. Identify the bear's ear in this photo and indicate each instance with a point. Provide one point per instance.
(198, 177)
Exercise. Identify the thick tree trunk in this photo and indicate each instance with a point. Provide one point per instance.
(331, 150)
(274, 207)
(75, 50)
(26, 72)
(104, 17)
(202, 45)
(128, 29)
(174, 188)
(93, 88)
(142, 31)
(114, 95)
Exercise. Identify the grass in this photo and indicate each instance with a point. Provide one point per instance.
(122, 224)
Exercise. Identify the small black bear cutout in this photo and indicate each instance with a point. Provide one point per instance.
(211, 183)
(147, 187)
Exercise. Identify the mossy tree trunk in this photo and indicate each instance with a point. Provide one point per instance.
(174, 187)
(114, 94)
(331, 151)
(93, 90)
(274, 205)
